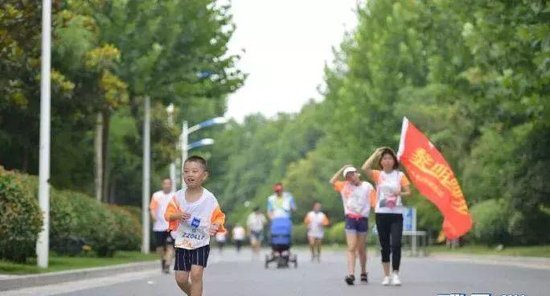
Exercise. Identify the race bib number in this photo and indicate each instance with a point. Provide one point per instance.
(192, 234)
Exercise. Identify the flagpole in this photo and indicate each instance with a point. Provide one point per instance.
(404, 128)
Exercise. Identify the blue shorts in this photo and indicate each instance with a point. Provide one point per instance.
(357, 225)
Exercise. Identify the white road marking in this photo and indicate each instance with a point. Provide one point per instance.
(84, 284)
(536, 263)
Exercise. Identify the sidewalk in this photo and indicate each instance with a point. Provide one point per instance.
(10, 282)
(516, 261)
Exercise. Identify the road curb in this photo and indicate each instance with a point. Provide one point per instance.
(26, 281)
(517, 261)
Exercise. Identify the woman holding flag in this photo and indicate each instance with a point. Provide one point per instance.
(391, 186)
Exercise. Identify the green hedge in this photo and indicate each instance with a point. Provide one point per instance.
(62, 217)
(94, 223)
(336, 234)
(299, 234)
(491, 222)
(128, 227)
(104, 228)
(20, 217)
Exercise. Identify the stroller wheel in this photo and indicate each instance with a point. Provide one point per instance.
(266, 261)
(283, 262)
(295, 260)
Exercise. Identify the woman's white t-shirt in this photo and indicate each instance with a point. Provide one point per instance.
(388, 201)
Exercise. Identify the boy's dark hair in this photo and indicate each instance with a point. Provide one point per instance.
(391, 153)
(256, 209)
(198, 159)
(166, 178)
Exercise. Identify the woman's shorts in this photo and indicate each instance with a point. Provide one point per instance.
(357, 225)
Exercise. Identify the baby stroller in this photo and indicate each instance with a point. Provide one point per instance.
(281, 234)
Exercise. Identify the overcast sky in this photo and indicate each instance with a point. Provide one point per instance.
(286, 43)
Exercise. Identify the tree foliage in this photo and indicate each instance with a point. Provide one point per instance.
(106, 57)
(473, 75)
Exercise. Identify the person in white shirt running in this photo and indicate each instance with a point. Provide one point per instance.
(316, 222)
(239, 234)
(157, 207)
(255, 223)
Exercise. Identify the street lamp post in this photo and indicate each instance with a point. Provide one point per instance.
(185, 131)
(183, 140)
(43, 243)
(146, 176)
(170, 111)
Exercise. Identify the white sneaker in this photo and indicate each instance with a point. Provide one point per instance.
(386, 281)
(395, 279)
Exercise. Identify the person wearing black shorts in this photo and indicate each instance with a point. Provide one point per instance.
(194, 216)
(164, 242)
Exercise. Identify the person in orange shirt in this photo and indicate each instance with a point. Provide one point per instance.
(315, 221)
(356, 199)
(391, 186)
(165, 243)
(194, 215)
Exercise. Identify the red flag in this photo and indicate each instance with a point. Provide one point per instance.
(434, 178)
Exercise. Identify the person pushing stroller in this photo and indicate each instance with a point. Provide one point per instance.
(280, 206)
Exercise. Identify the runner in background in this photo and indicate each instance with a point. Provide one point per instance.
(316, 222)
(255, 224)
(221, 239)
(164, 242)
(239, 235)
(280, 204)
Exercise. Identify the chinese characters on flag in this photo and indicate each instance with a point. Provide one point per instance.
(432, 176)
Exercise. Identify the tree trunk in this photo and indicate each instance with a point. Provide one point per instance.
(112, 193)
(106, 154)
(98, 148)
(25, 162)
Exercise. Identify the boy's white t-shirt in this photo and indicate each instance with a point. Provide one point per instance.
(193, 233)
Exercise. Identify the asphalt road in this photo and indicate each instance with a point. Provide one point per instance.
(239, 274)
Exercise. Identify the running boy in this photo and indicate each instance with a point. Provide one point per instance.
(315, 221)
(194, 216)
